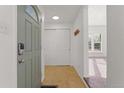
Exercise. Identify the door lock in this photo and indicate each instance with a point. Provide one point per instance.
(20, 48)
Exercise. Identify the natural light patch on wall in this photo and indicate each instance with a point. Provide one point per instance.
(91, 68)
(101, 64)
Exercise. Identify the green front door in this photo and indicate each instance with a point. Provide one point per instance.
(29, 47)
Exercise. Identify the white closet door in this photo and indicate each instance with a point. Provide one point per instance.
(57, 47)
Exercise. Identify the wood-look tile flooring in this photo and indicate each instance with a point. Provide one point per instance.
(63, 77)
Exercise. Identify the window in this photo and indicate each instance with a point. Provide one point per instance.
(97, 42)
(89, 42)
(32, 12)
(94, 42)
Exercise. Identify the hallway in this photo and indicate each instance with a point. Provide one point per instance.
(62, 46)
(63, 77)
(49, 45)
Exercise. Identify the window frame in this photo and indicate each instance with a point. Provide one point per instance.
(36, 12)
(92, 36)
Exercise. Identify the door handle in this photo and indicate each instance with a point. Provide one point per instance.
(20, 61)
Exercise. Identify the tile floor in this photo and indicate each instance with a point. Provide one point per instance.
(97, 67)
(97, 72)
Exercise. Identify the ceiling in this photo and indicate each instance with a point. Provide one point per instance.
(67, 13)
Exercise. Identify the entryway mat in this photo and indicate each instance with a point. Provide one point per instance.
(49, 86)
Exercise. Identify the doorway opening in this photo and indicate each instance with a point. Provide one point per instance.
(59, 29)
(97, 46)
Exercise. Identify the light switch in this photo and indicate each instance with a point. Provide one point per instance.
(3, 28)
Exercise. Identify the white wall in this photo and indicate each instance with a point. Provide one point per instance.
(57, 26)
(8, 46)
(97, 24)
(79, 44)
(96, 15)
(115, 32)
